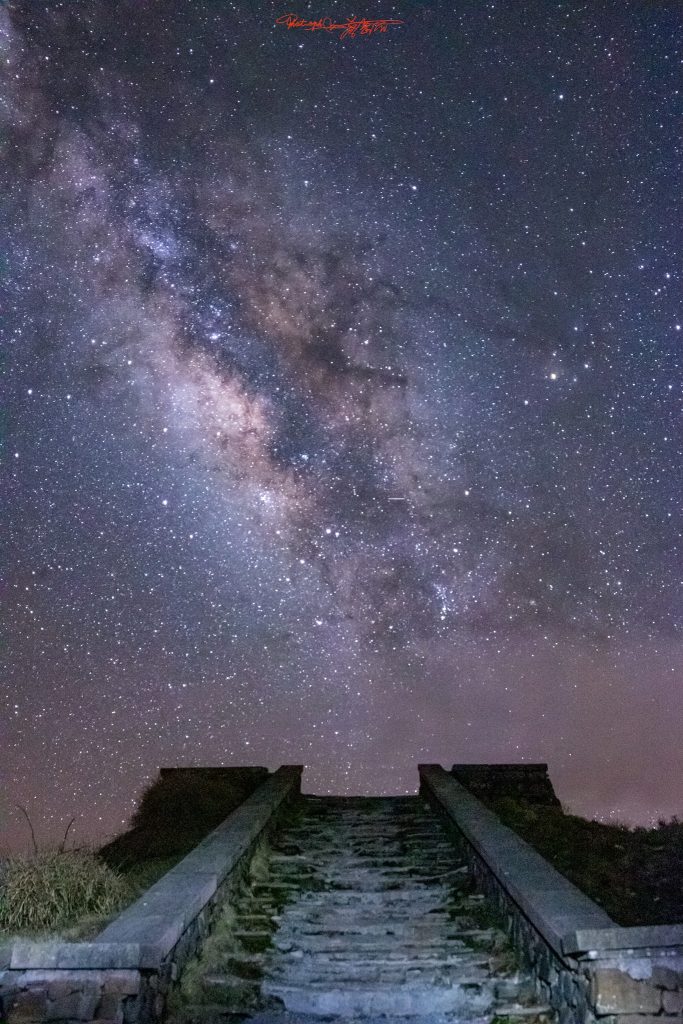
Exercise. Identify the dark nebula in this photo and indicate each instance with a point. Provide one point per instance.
(341, 387)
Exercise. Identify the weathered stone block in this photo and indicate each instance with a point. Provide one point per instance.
(64, 1007)
(74, 1005)
(125, 983)
(29, 954)
(644, 1019)
(513, 989)
(543, 965)
(110, 1007)
(60, 985)
(614, 991)
(565, 1015)
(672, 1002)
(131, 1009)
(567, 988)
(27, 1006)
(665, 977)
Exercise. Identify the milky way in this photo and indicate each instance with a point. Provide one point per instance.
(342, 398)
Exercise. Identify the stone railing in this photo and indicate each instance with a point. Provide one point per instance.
(125, 974)
(585, 966)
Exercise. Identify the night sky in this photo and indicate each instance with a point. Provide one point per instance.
(341, 390)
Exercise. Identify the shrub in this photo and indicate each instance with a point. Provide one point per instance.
(52, 889)
(178, 810)
(634, 873)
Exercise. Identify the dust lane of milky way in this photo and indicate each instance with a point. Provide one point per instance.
(342, 398)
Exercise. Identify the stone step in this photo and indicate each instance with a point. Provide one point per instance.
(307, 861)
(394, 930)
(356, 869)
(359, 883)
(219, 1014)
(398, 910)
(408, 817)
(395, 845)
(316, 964)
(373, 837)
(375, 941)
(365, 999)
(318, 854)
(395, 970)
(257, 922)
(422, 900)
(344, 902)
(372, 834)
(350, 947)
(309, 935)
(418, 954)
(367, 824)
(231, 993)
(275, 888)
(363, 805)
(533, 1013)
(253, 941)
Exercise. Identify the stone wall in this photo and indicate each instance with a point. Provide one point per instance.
(528, 782)
(127, 973)
(586, 967)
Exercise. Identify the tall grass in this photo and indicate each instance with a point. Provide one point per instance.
(53, 889)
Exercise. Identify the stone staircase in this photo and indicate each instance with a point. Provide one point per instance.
(361, 911)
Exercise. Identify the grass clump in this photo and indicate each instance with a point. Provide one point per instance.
(633, 873)
(55, 889)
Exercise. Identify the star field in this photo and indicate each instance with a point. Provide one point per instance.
(341, 385)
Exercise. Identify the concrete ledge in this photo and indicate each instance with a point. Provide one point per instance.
(599, 941)
(31, 956)
(549, 900)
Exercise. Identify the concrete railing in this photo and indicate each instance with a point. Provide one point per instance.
(125, 974)
(585, 966)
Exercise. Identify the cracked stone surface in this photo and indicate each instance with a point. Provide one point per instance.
(363, 912)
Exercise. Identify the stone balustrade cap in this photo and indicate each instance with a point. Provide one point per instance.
(82, 956)
(609, 940)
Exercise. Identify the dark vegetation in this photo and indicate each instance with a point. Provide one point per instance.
(635, 874)
(177, 811)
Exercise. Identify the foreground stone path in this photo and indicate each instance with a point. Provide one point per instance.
(361, 913)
